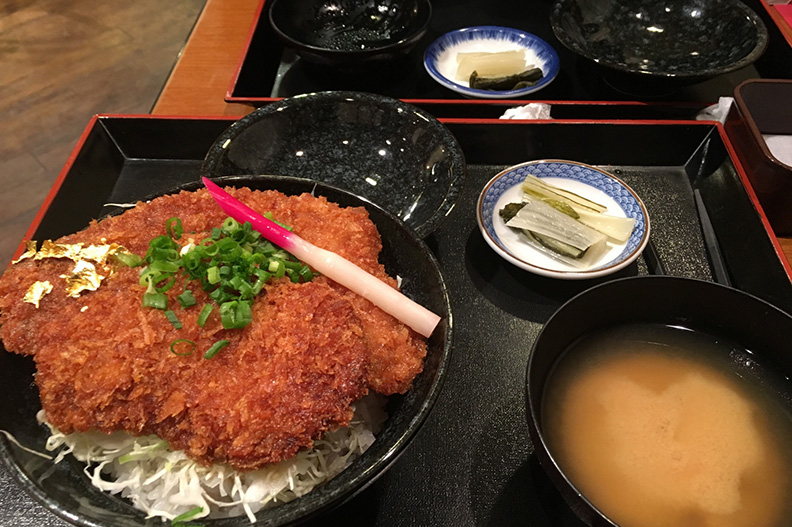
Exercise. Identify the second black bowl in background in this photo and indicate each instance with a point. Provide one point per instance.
(350, 33)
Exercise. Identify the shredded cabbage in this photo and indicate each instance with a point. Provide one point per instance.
(166, 483)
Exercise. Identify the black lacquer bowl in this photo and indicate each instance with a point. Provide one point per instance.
(759, 334)
(686, 39)
(387, 151)
(66, 491)
(350, 33)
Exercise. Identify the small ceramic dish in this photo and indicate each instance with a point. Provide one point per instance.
(440, 58)
(584, 180)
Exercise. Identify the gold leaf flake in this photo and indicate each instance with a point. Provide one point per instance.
(30, 251)
(59, 250)
(83, 278)
(100, 253)
(36, 292)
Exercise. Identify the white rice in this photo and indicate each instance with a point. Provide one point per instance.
(166, 483)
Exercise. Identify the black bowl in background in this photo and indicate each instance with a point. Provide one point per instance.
(380, 148)
(686, 39)
(349, 33)
(747, 321)
(66, 491)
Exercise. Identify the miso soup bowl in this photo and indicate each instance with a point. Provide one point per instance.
(745, 320)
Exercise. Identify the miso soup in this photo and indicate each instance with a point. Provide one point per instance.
(660, 426)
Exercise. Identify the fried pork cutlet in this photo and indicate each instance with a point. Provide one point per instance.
(104, 362)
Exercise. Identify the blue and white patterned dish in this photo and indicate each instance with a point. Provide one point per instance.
(440, 57)
(584, 180)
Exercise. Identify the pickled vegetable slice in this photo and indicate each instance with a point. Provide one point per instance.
(540, 218)
(491, 64)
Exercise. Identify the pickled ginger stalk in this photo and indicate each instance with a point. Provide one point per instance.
(331, 265)
(544, 220)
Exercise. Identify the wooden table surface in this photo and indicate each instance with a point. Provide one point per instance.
(208, 62)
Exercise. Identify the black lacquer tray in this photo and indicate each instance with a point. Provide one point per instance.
(472, 463)
(268, 71)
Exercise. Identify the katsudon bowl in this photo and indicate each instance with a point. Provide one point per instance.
(65, 489)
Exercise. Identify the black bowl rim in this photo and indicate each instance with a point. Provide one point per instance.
(759, 48)
(532, 412)
(291, 513)
(411, 38)
(454, 149)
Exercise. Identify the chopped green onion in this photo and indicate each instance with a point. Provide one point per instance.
(270, 217)
(238, 236)
(174, 228)
(213, 275)
(202, 318)
(210, 250)
(162, 248)
(230, 225)
(219, 295)
(290, 264)
(164, 266)
(235, 314)
(128, 259)
(232, 266)
(173, 319)
(164, 288)
(155, 300)
(177, 343)
(305, 273)
(276, 267)
(179, 521)
(245, 291)
(228, 249)
(186, 299)
(266, 248)
(192, 262)
(145, 278)
(215, 348)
